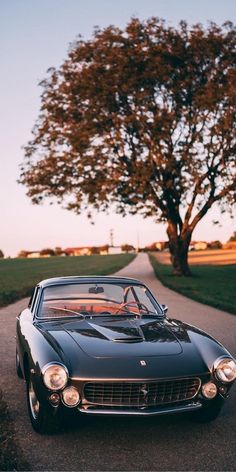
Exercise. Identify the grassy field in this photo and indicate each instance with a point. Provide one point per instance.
(206, 257)
(210, 284)
(18, 276)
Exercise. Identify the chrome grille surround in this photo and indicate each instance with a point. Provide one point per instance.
(142, 393)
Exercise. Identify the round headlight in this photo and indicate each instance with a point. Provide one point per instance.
(209, 390)
(70, 397)
(225, 369)
(55, 376)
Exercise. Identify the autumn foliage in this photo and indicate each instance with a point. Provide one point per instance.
(144, 119)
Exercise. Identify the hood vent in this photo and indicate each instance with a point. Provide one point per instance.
(136, 339)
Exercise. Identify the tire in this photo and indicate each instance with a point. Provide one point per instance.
(18, 367)
(209, 412)
(44, 418)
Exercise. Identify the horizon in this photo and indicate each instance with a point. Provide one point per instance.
(135, 247)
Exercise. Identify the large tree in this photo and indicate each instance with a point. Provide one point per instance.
(143, 118)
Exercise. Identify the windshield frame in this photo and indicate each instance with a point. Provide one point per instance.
(159, 311)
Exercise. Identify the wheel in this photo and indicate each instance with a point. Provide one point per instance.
(18, 367)
(209, 411)
(44, 418)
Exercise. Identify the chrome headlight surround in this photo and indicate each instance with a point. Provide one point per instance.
(224, 369)
(55, 376)
(71, 397)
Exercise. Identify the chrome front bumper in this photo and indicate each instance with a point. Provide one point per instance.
(141, 411)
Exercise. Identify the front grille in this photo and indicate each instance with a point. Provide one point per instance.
(138, 394)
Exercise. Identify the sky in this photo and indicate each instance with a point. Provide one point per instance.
(35, 35)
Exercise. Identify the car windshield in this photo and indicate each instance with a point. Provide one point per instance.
(97, 299)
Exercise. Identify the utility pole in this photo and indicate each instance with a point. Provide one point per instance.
(111, 237)
(137, 242)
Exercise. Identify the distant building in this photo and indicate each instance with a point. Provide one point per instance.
(74, 251)
(198, 245)
(158, 246)
(33, 254)
(162, 245)
(78, 251)
(88, 250)
(114, 250)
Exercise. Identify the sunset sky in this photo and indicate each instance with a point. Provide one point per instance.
(35, 35)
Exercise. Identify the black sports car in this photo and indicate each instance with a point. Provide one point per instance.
(103, 345)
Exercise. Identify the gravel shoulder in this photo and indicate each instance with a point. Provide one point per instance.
(164, 443)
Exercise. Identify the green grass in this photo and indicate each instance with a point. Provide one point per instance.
(18, 276)
(210, 284)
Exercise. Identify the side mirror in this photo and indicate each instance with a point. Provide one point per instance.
(164, 308)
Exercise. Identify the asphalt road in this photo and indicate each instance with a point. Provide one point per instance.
(147, 444)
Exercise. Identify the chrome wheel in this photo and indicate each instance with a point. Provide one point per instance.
(33, 401)
(44, 418)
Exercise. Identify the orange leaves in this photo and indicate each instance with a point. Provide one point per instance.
(143, 117)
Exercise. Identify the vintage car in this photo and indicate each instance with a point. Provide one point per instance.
(104, 346)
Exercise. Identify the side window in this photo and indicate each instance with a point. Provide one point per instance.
(33, 299)
(144, 297)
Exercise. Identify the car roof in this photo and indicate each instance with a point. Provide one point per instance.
(87, 279)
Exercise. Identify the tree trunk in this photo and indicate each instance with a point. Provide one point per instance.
(178, 245)
(179, 259)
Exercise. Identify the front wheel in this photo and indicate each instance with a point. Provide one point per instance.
(209, 411)
(44, 418)
(18, 367)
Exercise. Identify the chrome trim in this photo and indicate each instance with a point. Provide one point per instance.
(215, 365)
(133, 379)
(37, 301)
(71, 387)
(140, 412)
(33, 401)
(50, 364)
(204, 385)
(90, 403)
(83, 279)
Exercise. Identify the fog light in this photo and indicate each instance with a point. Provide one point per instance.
(70, 397)
(54, 399)
(209, 390)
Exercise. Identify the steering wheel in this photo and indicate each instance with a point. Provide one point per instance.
(124, 307)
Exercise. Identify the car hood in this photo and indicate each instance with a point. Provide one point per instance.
(137, 348)
(106, 337)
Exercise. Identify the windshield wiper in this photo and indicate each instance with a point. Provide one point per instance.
(67, 311)
(113, 315)
(152, 315)
(140, 315)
